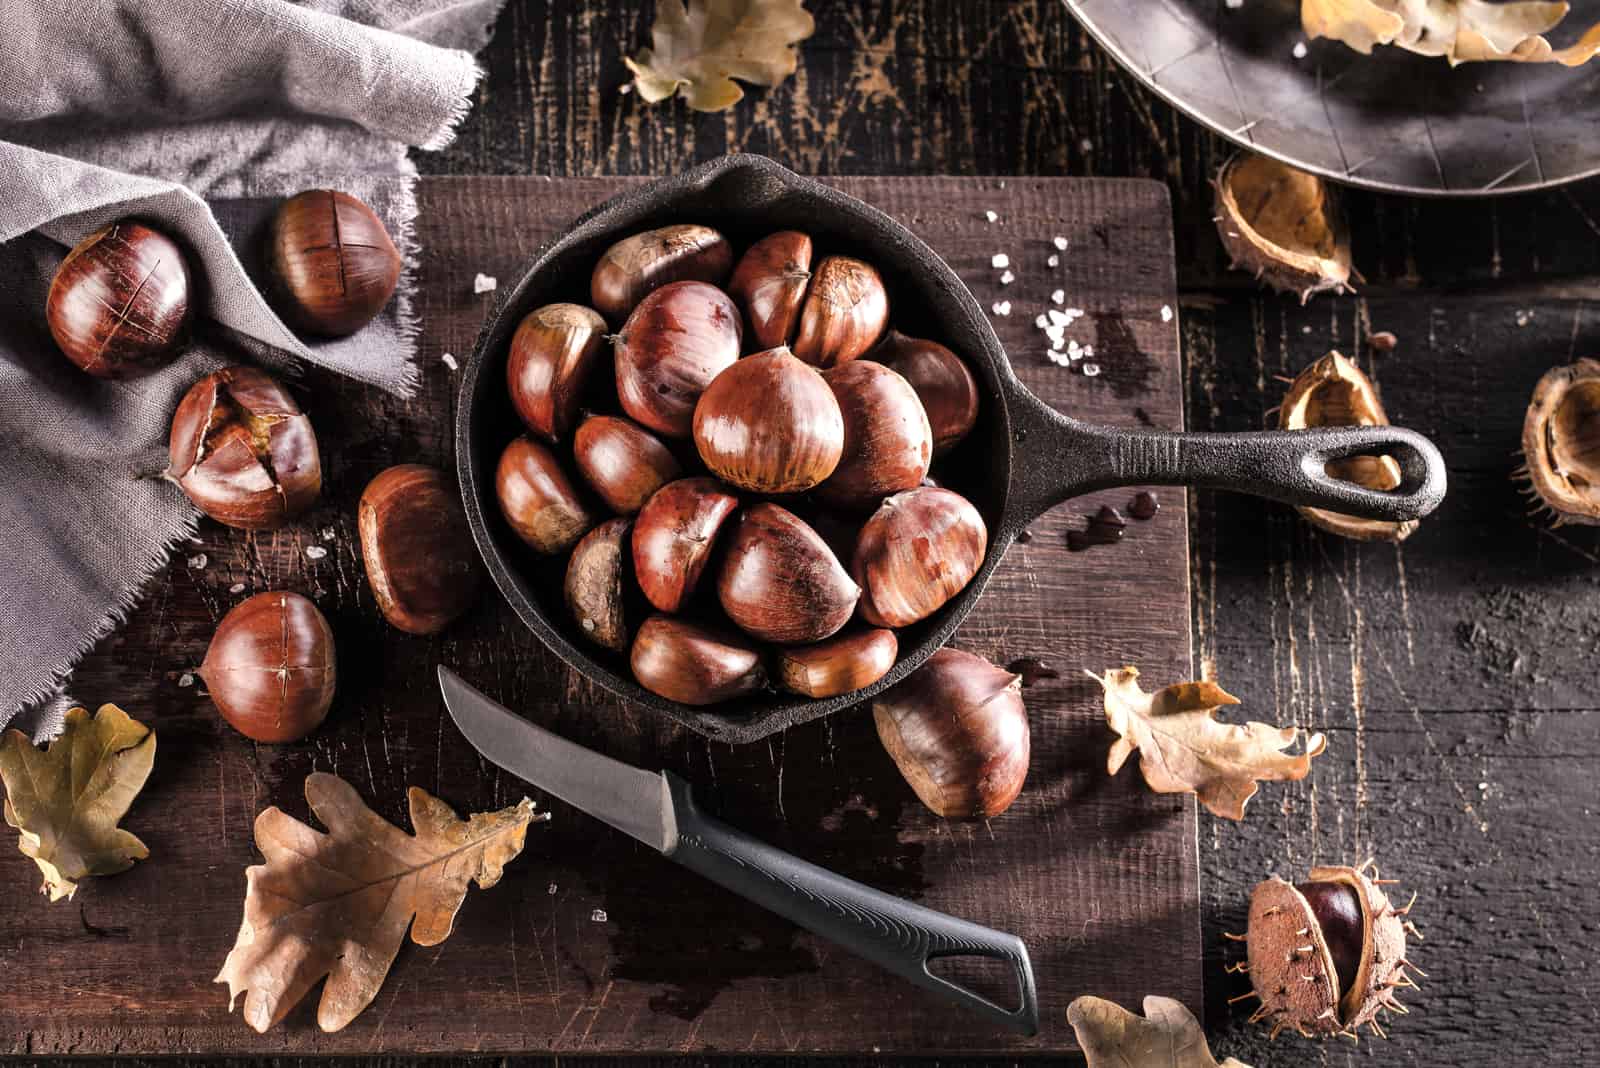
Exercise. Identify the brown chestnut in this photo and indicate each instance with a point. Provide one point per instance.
(271, 667)
(636, 265)
(677, 340)
(957, 730)
(624, 462)
(596, 585)
(673, 538)
(538, 500)
(769, 424)
(417, 549)
(888, 443)
(119, 303)
(552, 353)
(919, 549)
(844, 314)
(694, 664)
(780, 582)
(333, 263)
(770, 284)
(243, 451)
(839, 665)
(942, 381)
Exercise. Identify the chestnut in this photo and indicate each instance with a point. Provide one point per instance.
(119, 303)
(839, 665)
(942, 381)
(636, 265)
(770, 284)
(673, 538)
(677, 340)
(538, 500)
(769, 424)
(844, 313)
(596, 585)
(780, 582)
(888, 443)
(271, 667)
(918, 550)
(623, 462)
(957, 730)
(243, 451)
(333, 263)
(552, 353)
(417, 549)
(694, 664)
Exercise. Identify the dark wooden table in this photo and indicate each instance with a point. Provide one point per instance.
(1450, 674)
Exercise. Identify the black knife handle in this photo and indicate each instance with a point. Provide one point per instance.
(892, 933)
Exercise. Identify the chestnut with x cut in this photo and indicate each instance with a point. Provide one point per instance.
(119, 303)
(333, 261)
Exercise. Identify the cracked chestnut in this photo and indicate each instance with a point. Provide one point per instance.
(333, 263)
(553, 353)
(769, 424)
(780, 582)
(270, 668)
(417, 549)
(119, 303)
(694, 664)
(637, 265)
(677, 340)
(538, 499)
(673, 538)
(770, 284)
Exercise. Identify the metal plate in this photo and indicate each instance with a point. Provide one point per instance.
(1392, 121)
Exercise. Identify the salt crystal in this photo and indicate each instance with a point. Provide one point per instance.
(198, 561)
(1060, 243)
(1056, 358)
(1074, 313)
(1233, 5)
(327, 534)
(1523, 317)
(598, 915)
(485, 283)
(1007, 278)
(588, 624)
(237, 587)
(1042, 322)
(1053, 261)
(1074, 351)
(1086, 145)
(1088, 350)
(1090, 370)
(1058, 317)
(1058, 296)
(1000, 259)
(1166, 313)
(1001, 307)
(315, 552)
(991, 216)
(552, 889)
(449, 361)
(1299, 50)
(186, 679)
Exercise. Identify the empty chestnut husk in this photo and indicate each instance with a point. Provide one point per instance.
(841, 664)
(957, 730)
(677, 340)
(271, 668)
(417, 549)
(694, 664)
(552, 354)
(917, 551)
(119, 303)
(769, 424)
(243, 451)
(622, 461)
(770, 284)
(888, 443)
(673, 538)
(537, 498)
(942, 381)
(780, 582)
(1561, 442)
(596, 587)
(333, 263)
(636, 265)
(844, 313)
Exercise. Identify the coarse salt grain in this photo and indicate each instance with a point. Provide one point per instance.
(1042, 321)
(1000, 259)
(1166, 313)
(1001, 307)
(1007, 278)
(1300, 50)
(1056, 358)
(186, 679)
(598, 915)
(1058, 296)
(315, 552)
(1058, 317)
(198, 561)
(484, 283)
(552, 889)
(1090, 370)
(449, 361)
(1053, 261)
(991, 216)
(1060, 243)
(327, 534)
(237, 587)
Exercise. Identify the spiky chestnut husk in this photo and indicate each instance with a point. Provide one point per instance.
(1283, 225)
(1334, 392)
(1561, 443)
(1327, 955)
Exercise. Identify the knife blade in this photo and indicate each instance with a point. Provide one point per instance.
(658, 809)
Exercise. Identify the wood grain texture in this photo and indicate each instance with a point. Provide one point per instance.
(591, 942)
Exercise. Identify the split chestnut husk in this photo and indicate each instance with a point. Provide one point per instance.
(1283, 225)
(694, 664)
(1334, 392)
(1561, 442)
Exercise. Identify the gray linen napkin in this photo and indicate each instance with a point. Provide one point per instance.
(197, 115)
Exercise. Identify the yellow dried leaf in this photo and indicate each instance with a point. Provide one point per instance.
(1183, 749)
(1166, 1036)
(1463, 31)
(67, 800)
(338, 904)
(700, 46)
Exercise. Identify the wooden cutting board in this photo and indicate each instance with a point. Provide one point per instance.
(591, 942)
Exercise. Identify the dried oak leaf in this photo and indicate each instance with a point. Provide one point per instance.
(1166, 1036)
(1463, 31)
(338, 904)
(700, 46)
(66, 800)
(1182, 749)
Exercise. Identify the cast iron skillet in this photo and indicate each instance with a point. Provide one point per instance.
(1021, 459)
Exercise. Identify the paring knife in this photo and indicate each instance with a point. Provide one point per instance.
(658, 810)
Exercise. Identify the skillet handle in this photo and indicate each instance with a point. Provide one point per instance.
(1281, 465)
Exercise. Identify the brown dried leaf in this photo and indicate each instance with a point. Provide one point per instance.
(1166, 1036)
(700, 46)
(1183, 749)
(67, 800)
(1463, 31)
(338, 904)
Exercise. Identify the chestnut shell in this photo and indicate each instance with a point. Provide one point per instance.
(769, 424)
(918, 550)
(271, 667)
(1561, 442)
(845, 312)
(841, 664)
(677, 340)
(119, 303)
(780, 582)
(553, 353)
(942, 382)
(417, 549)
(633, 267)
(622, 462)
(888, 444)
(597, 584)
(694, 664)
(333, 262)
(770, 284)
(673, 538)
(537, 498)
